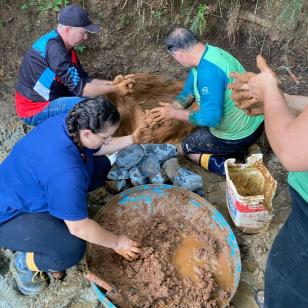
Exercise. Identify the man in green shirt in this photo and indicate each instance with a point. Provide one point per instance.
(223, 129)
(286, 277)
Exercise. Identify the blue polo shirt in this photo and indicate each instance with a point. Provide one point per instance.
(208, 85)
(45, 172)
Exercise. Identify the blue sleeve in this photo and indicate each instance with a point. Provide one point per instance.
(187, 93)
(66, 195)
(59, 61)
(212, 83)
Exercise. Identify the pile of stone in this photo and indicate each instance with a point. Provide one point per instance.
(151, 164)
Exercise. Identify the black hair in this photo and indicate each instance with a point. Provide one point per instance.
(95, 114)
(180, 39)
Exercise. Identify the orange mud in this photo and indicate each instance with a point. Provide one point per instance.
(148, 92)
(184, 262)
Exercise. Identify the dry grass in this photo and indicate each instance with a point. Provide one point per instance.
(233, 23)
(284, 22)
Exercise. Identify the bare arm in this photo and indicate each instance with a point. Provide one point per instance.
(296, 103)
(287, 134)
(121, 85)
(253, 105)
(115, 145)
(98, 87)
(139, 136)
(90, 231)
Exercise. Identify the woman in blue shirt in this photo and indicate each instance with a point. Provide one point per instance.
(43, 198)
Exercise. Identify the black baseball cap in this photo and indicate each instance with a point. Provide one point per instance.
(76, 16)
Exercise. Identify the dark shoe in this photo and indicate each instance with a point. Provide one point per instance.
(28, 282)
(258, 296)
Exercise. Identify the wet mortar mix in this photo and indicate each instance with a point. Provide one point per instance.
(184, 261)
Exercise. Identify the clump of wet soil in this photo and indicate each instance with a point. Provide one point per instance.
(150, 89)
(153, 280)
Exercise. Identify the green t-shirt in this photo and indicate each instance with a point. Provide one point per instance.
(299, 181)
(216, 66)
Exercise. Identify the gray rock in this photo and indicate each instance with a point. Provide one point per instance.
(158, 179)
(149, 148)
(136, 176)
(171, 167)
(116, 173)
(150, 166)
(130, 156)
(163, 151)
(187, 179)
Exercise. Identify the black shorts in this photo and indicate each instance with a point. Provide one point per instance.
(286, 279)
(203, 141)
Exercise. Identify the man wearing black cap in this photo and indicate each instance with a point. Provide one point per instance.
(51, 80)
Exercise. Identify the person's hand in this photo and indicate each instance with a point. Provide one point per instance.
(160, 114)
(260, 83)
(119, 78)
(142, 133)
(127, 248)
(249, 88)
(124, 84)
(243, 99)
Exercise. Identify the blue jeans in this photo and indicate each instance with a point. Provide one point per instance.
(286, 278)
(54, 247)
(56, 106)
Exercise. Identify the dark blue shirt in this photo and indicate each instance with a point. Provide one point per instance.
(48, 70)
(45, 172)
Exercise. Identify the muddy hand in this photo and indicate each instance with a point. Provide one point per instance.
(124, 84)
(242, 97)
(124, 87)
(149, 119)
(263, 82)
(162, 113)
(244, 100)
(127, 248)
(141, 134)
(248, 87)
(120, 78)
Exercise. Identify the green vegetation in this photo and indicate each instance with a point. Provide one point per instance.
(286, 17)
(44, 5)
(126, 19)
(290, 12)
(80, 49)
(157, 14)
(199, 23)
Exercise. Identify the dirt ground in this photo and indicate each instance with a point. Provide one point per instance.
(139, 50)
